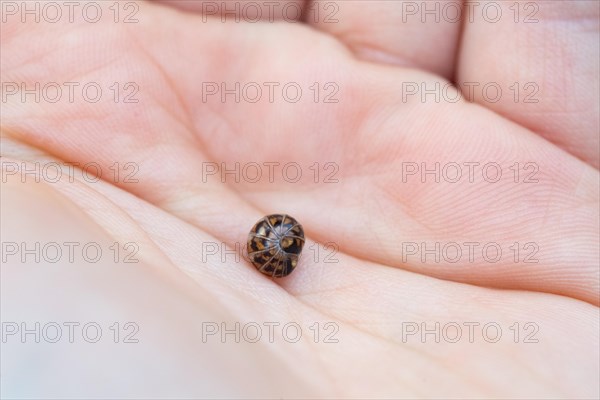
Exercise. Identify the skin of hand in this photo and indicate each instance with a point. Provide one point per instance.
(364, 313)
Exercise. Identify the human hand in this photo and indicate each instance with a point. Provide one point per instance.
(360, 301)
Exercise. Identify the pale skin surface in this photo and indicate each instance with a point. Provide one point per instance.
(371, 293)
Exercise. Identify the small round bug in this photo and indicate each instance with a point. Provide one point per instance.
(274, 245)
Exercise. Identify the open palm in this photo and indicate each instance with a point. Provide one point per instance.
(398, 244)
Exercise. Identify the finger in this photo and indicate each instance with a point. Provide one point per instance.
(406, 33)
(243, 10)
(544, 57)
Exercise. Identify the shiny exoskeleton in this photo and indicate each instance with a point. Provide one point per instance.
(274, 245)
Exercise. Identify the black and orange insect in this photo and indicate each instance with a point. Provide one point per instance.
(274, 245)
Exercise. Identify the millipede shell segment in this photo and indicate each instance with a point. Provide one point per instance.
(274, 245)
